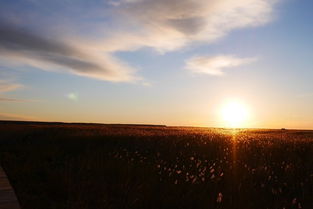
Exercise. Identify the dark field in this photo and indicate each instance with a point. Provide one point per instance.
(82, 166)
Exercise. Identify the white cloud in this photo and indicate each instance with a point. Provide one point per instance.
(171, 24)
(164, 25)
(215, 65)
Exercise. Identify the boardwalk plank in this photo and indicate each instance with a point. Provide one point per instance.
(8, 199)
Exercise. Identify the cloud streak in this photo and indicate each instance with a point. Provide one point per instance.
(9, 116)
(171, 24)
(21, 45)
(6, 99)
(215, 65)
(6, 86)
(164, 25)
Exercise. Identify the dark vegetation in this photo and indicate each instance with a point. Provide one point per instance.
(76, 166)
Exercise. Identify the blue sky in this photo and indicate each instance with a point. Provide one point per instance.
(159, 62)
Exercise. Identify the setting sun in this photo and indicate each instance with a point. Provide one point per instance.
(234, 114)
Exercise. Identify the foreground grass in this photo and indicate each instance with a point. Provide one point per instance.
(77, 166)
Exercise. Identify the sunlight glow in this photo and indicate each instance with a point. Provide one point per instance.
(234, 114)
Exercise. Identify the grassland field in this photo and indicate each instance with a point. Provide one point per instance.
(95, 166)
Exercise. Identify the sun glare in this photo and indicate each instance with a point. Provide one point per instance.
(234, 114)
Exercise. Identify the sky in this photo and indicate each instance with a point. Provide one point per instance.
(172, 62)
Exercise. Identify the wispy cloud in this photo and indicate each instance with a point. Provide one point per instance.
(164, 25)
(9, 116)
(172, 24)
(24, 46)
(215, 65)
(9, 86)
(6, 86)
(7, 99)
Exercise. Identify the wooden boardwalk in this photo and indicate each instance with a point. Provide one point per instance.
(8, 199)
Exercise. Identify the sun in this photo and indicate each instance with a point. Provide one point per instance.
(234, 114)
